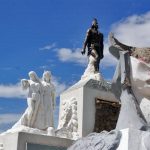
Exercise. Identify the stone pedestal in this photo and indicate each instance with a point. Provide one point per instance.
(85, 92)
(28, 141)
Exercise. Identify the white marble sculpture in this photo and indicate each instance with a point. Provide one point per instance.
(98, 141)
(130, 108)
(68, 124)
(38, 117)
(139, 68)
(48, 99)
(34, 101)
(90, 72)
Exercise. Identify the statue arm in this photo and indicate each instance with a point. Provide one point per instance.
(24, 84)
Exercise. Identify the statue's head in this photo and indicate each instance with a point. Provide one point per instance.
(33, 76)
(95, 23)
(47, 76)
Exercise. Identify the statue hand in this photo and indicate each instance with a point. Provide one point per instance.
(83, 52)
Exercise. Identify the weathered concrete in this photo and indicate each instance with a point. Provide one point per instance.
(126, 139)
(18, 141)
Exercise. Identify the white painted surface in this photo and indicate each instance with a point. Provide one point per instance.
(124, 140)
(140, 78)
(145, 108)
(17, 141)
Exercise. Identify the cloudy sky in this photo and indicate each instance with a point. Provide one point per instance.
(48, 35)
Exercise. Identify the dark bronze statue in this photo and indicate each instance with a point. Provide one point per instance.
(94, 41)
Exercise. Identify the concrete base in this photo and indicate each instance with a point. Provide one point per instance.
(133, 139)
(126, 139)
(28, 141)
(85, 92)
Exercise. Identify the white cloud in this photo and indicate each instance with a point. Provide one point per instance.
(48, 47)
(15, 90)
(60, 87)
(44, 67)
(12, 91)
(108, 60)
(9, 118)
(134, 30)
(69, 55)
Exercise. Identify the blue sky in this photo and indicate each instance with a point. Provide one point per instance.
(48, 35)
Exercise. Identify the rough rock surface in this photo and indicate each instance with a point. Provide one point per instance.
(98, 141)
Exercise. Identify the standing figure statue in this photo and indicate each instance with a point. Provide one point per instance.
(40, 101)
(94, 43)
(30, 118)
(34, 97)
(48, 99)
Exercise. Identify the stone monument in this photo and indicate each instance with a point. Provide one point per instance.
(35, 128)
(131, 86)
(94, 43)
(93, 104)
(84, 93)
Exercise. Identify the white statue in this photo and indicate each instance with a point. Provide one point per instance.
(48, 99)
(68, 122)
(90, 72)
(41, 101)
(34, 101)
(131, 84)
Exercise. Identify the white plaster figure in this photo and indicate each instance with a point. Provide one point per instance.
(38, 117)
(68, 124)
(34, 100)
(48, 99)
